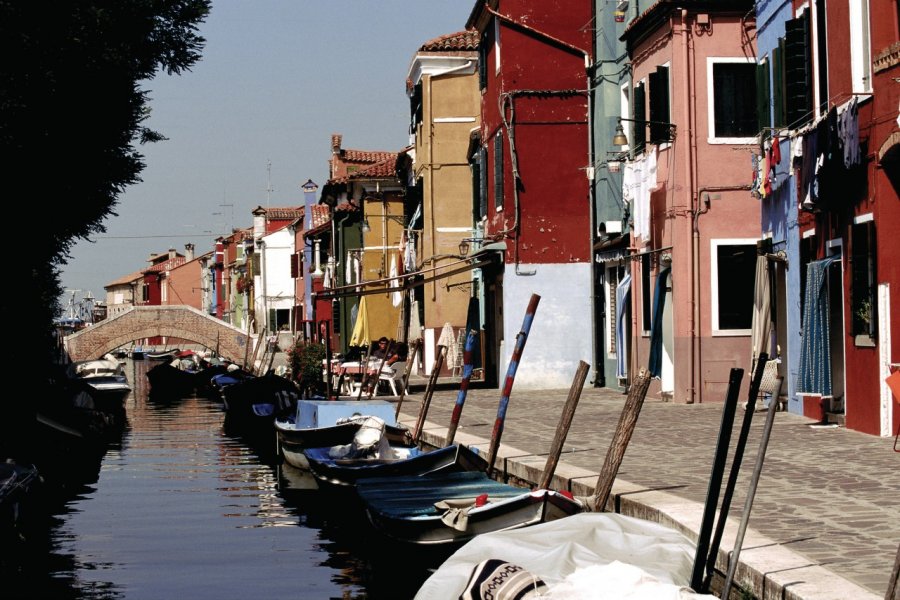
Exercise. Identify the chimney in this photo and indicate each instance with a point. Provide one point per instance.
(172, 253)
(336, 142)
(188, 252)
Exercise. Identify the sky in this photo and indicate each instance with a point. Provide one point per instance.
(253, 120)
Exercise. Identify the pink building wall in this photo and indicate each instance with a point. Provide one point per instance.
(690, 169)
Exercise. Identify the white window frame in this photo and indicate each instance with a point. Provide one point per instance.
(711, 61)
(860, 47)
(625, 112)
(714, 283)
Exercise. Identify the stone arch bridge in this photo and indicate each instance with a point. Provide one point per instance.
(142, 322)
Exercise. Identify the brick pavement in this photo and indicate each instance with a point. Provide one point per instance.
(825, 522)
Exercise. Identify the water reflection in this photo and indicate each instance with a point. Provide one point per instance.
(179, 509)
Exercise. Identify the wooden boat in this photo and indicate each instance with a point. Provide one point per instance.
(573, 558)
(407, 462)
(169, 382)
(255, 402)
(326, 423)
(106, 381)
(162, 355)
(451, 508)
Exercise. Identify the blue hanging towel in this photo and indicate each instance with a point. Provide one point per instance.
(814, 376)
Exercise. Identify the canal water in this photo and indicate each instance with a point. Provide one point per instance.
(181, 509)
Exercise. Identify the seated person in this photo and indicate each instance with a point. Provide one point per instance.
(385, 350)
(383, 354)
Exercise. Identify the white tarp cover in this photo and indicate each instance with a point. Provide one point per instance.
(589, 556)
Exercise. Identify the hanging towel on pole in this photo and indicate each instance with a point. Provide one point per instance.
(623, 300)
(814, 376)
(656, 327)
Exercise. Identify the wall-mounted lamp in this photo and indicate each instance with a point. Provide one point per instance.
(365, 226)
(620, 139)
(463, 247)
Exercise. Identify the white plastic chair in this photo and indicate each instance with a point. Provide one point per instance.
(393, 376)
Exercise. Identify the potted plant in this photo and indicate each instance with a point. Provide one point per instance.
(306, 366)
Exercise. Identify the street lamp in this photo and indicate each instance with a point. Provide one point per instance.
(620, 139)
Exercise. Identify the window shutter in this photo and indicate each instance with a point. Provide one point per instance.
(659, 105)
(477, 204)
(778, 118)
(498, 170)
(482, 181)
(640, 112)
(482, 63)
(295, 271)
(797, 75)
(762, 95)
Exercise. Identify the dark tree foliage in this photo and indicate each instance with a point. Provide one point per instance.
(72, 111)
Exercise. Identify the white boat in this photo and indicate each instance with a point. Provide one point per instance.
(596, 556)
(106, 381)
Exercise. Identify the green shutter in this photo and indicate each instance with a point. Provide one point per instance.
(640, 114)
(778, 84)
(659, 104)
(797, 71)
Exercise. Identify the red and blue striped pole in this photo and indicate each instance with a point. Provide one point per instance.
(521, 338)
(468, 367)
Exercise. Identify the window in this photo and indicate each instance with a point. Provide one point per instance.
(640, 114)
(860, 47)
(862, 270)
(763, 93)
(479, 185)
(482, 63)
(145, 292)
(798, 80)
(733, 279)
(498, 171)
(625, 113)
(658, 83)
(732, 92)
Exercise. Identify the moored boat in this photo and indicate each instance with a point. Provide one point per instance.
(106, 379)
(327, 423)
(451, 508)
(167, 381)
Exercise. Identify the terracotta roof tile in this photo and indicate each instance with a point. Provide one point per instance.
(460, 40)
(125, 279)
(286, 212)
(383, 168)
(320, 215)
(165, 265)
(366, 156)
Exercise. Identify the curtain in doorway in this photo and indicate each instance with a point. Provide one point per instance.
(623, 301)
(656, 326)
(761, 328)
(815, 352)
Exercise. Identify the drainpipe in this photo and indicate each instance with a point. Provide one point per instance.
(694, 362)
